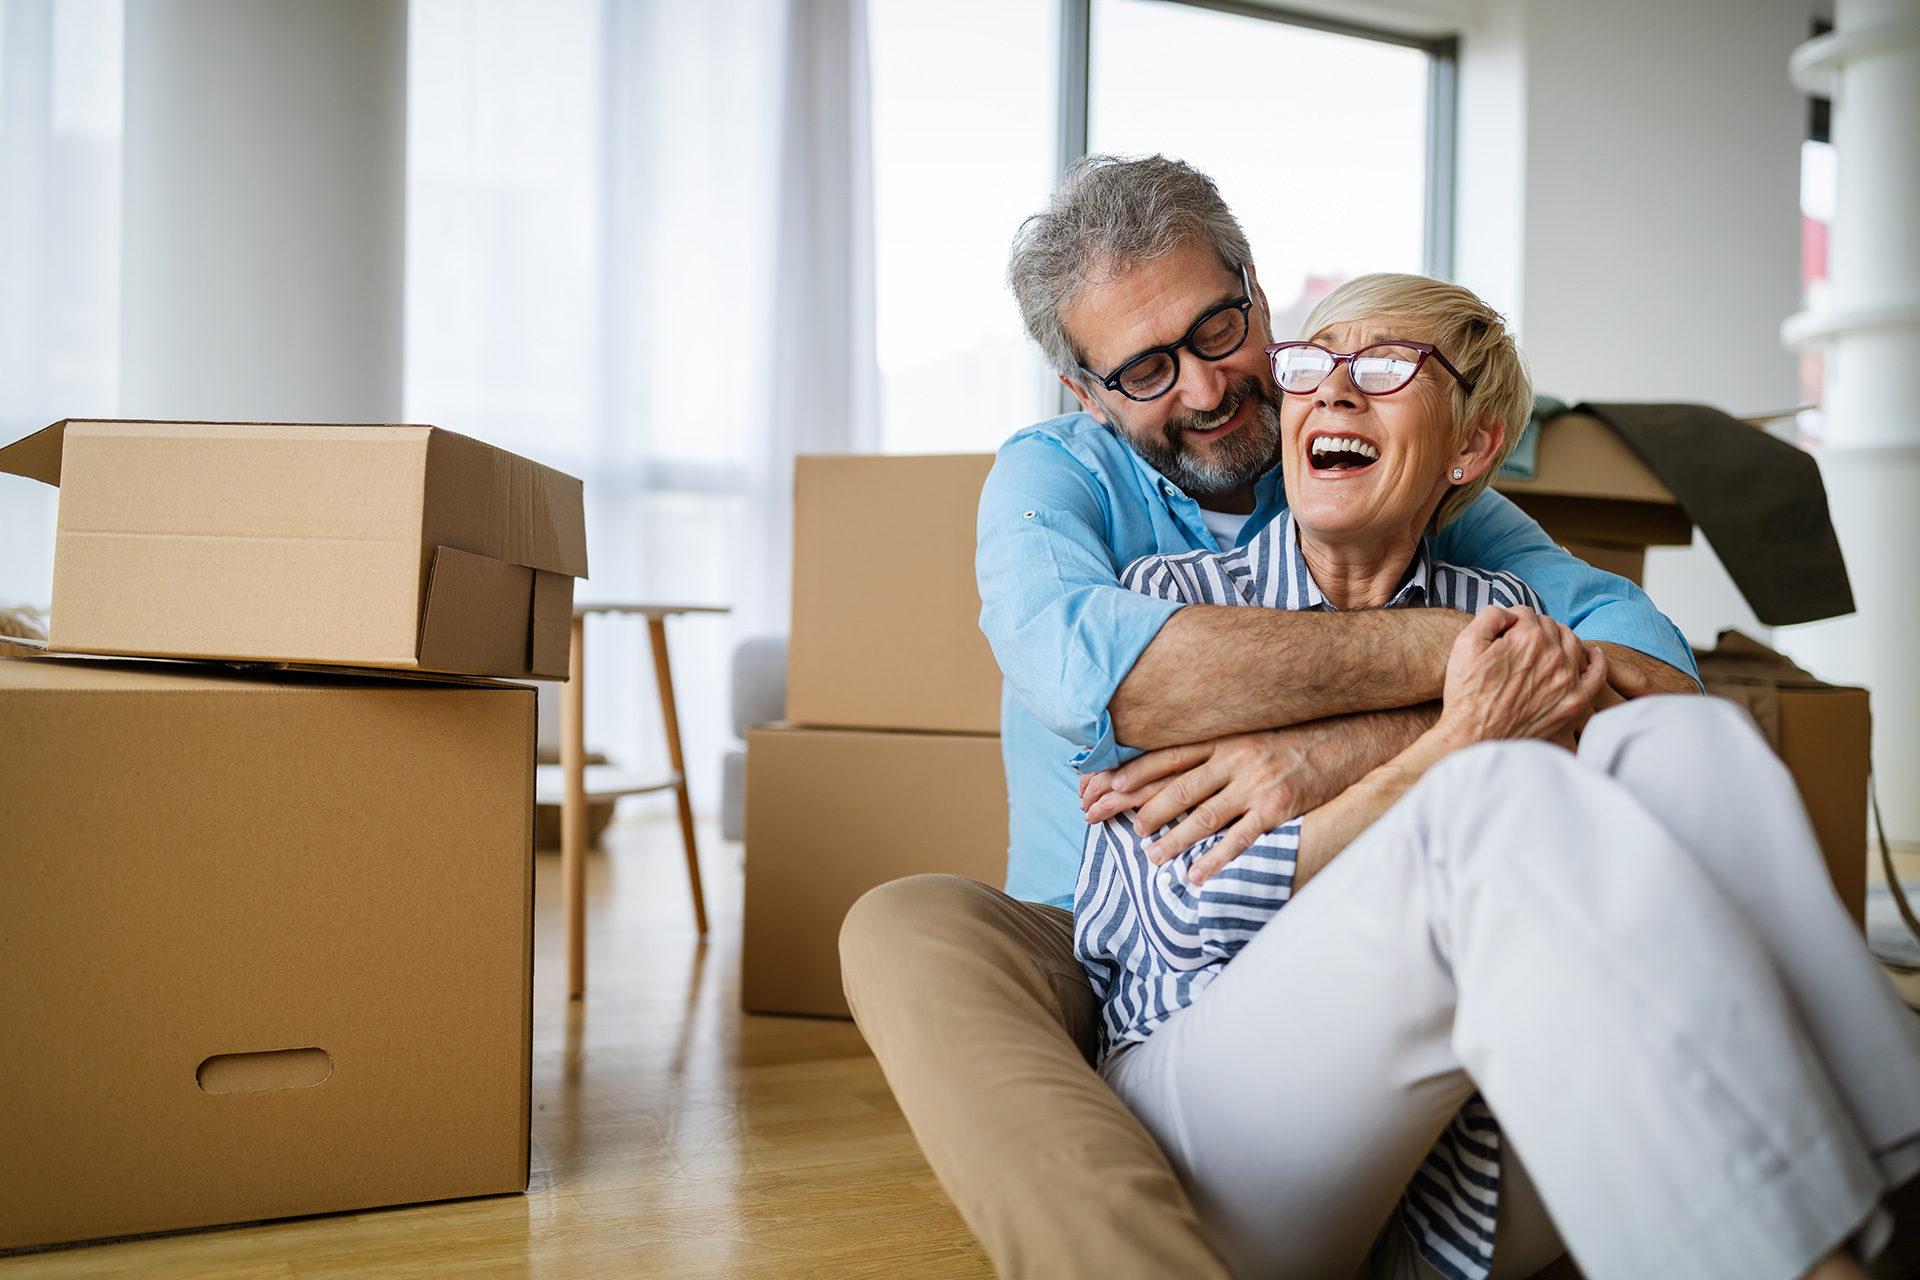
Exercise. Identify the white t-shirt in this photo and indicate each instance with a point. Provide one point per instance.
(1224, 526)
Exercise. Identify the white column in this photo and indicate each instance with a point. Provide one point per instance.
(265, 202)
(1870, 66)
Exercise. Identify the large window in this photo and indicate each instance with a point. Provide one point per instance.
(1332, 144)
(964, 100)
(1320, 141)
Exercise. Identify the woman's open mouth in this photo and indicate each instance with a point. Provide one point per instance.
(1328, 452)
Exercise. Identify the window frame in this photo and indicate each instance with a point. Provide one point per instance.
(1443, 100)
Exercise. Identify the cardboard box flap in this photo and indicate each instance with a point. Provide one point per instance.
(476, 616)
(37, 457)
(1579, 456)
(495, 618)
(502, 506)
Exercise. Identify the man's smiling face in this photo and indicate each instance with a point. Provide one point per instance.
(1218, 429)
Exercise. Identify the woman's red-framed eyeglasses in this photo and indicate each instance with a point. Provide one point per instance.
(1379, 369)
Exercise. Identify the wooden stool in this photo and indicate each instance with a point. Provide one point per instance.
(573, 761)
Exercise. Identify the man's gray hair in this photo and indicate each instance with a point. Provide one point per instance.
(1108, 214)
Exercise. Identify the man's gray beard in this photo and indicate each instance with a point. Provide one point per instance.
(1245, 455)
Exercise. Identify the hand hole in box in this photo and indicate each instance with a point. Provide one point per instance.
(274, 1069)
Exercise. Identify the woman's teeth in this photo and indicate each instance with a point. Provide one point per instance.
(1343, 452)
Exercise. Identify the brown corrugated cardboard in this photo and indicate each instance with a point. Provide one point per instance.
(901, 650)
(1823, 734)
(1594, 496)
(1629, 562)
(831, 814)
(1825, 739)
(376, 546)
(267, 944)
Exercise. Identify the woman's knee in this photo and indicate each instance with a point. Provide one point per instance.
(1505, 799)
(1672, 731)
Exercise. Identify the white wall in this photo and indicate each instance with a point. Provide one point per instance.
(1629, 195)
(265, 187)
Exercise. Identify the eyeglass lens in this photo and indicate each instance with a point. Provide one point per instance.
(1376, 371)
(1216, 337)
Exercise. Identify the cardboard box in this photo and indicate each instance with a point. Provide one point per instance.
(370, 546)
(1594, 496)
(902, 649)
(830, 815)
(1825, 739)
(267, 940)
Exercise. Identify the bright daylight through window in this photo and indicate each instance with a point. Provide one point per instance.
(1317, 141)
(964, 105)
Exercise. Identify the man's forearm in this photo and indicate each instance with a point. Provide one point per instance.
(1635, 674)
(1215, 671)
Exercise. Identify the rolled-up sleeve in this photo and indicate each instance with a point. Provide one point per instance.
(1063, 629)
(1494, 534)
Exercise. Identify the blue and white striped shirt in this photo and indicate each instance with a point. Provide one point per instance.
(1151, 943)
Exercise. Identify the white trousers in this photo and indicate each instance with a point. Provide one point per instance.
(1635, 955)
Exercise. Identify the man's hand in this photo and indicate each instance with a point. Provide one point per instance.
(1247, 783)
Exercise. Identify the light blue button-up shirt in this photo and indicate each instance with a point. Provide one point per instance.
(1068, 506)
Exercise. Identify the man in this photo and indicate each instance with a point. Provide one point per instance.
(1138, 284)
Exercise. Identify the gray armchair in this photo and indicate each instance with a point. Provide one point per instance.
(759, 696)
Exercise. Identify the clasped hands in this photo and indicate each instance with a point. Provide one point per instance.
(1512, 673)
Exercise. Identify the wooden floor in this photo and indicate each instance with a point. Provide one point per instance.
(672, 1134)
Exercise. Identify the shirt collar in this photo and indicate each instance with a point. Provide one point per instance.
(1269, 493)
(1412, 592)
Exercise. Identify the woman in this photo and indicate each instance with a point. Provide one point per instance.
(1633, 954)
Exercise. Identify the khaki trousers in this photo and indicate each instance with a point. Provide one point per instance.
(984, 1024)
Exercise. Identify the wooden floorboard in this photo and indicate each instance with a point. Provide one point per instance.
(672, 1134)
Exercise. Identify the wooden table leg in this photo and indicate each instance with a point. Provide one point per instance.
(657, 631)
(573, 810)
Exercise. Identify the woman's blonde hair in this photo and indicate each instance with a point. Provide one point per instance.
(1469, 333)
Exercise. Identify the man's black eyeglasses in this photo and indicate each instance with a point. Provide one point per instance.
(1214, 336)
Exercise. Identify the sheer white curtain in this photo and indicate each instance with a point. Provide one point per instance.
(639, 249)
(59, 249)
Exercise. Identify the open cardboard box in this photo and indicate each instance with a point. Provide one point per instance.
(404, 547)
(1595, 497)
(267, 939)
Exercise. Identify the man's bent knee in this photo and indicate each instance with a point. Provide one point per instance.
(966, 949)
(901, 912)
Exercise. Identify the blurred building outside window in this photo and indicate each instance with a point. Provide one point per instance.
(1818, 187)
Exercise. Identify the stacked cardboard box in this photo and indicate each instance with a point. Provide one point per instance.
(268, 922)
(1594, 496)
(889, 764)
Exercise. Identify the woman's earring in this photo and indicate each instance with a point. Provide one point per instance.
(1458, 473)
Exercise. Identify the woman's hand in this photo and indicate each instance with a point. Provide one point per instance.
(1518, 674)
